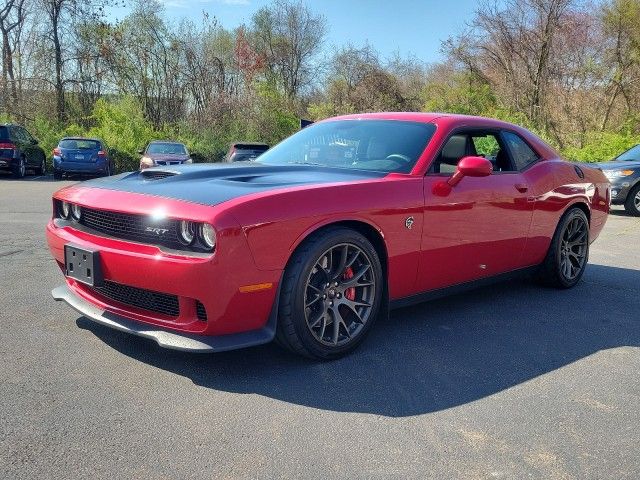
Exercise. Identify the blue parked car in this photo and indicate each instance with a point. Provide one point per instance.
(81, 156)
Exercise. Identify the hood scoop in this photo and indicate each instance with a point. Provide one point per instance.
(157, 174)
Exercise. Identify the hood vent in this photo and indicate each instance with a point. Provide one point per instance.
(157, 174)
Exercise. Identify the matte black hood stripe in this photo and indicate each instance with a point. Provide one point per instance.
(212, 184)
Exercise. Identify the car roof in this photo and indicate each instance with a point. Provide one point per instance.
(82, 138)
(425, 117)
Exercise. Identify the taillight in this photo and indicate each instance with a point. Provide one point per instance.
(57, 152)
(102, 153)
(7, 145)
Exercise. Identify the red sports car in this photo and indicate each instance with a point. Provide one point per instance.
(324, 233)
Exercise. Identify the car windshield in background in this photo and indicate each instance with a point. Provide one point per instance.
(380, 145)
(167, 148)
(79, 144)
(633, 154)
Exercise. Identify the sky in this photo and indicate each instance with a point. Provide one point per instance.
(410, 27)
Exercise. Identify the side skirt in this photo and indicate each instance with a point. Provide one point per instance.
(460, 288)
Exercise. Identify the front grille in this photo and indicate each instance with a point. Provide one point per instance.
(140, 228)
(202, 313)
(157, 302)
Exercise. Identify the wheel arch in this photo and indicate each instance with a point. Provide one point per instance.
(369, 231)
(582, 205)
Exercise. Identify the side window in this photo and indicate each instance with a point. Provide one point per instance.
(485, 144)
(26, 135)
(488, 145)
(523, 155)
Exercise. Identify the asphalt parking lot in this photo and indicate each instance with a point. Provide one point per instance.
(509, 381)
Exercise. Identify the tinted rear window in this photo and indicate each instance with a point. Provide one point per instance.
(250, 147)
(79, 144)
(4, 133)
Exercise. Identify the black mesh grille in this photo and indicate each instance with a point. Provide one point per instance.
(202, 313)
(138, 297)
(132, 227)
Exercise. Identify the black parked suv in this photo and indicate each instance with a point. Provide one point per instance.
(20, 152)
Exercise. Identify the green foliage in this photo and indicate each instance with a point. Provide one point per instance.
(601, 146)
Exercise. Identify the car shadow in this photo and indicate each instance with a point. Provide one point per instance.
(620, 213)
(429, 357)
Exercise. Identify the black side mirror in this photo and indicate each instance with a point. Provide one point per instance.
(34, 142)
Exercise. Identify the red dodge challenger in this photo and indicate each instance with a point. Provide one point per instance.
(324, 233)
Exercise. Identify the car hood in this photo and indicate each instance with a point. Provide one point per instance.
(211, 184)
(613, 165)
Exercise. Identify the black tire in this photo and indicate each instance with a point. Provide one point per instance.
(57, 175)
(42, 169)
(632, 204)
(107, 173)
(294, 330)
(20, 168)
(553, 271)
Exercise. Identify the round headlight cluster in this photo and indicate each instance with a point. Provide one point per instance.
(204, 233)
(69, 211)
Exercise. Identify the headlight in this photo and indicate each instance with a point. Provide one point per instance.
(611, 174)
(65, 209)
(187, 232)
(188, 160)
(76, 212)
(146, 162)
(208, 235)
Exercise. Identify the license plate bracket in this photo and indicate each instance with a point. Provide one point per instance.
(83, 265)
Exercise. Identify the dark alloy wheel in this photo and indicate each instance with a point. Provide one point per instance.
(632, 205)
(20, 169)
(331, 294)
(569, 251)
(42, 169)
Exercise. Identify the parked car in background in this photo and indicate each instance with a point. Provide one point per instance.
(244, 151)
(624, 174)
(81, 156)
(160, 152)
(20, 152)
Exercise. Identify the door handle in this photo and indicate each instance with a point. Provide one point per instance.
(521, 187)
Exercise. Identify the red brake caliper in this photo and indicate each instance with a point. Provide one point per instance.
(349, 293)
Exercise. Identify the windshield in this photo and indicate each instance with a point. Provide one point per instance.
(79, 144)
(633, 154)
(380, 145)
(167, 148)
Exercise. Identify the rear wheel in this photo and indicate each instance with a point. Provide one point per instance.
(57, 175)
(20, 168)
(569, 251)
(42, 169)
(331, 294)
(632, 205)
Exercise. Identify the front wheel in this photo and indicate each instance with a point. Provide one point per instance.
(568, 253)
(331, 294)
(632, 205)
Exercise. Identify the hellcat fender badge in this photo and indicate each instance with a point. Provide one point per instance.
(409, 222)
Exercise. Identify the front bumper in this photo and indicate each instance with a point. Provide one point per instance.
(165, 338)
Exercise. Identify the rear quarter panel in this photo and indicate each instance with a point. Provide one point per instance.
(556, 187)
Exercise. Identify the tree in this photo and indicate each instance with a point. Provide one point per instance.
(289, 36)
(12, 16)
